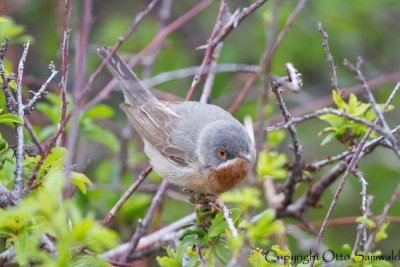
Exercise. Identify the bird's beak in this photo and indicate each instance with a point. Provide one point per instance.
(246, 157)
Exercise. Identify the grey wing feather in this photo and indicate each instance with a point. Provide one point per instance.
(156, 123)
(134, 91)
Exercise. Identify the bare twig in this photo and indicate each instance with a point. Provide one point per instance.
(361, 238)
(163, 16)
(65, 67)
(327, 100)
(42, 90)
(126, 195)
(205, 96)
(382, 219)
(353, 162)
(139, 17)
(296, 120)
(235, 20)
(35, 139)
(296, 173)
(360, 77)
(148, 240)
(209, 50)
(153, 45)
(329, 57)
(143, 225)
(10, 100)
(78, 83)
(190, 71)
(20, 153)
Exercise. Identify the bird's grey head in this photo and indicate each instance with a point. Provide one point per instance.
(223, 142)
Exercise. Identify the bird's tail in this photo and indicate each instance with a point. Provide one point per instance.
(134, 91)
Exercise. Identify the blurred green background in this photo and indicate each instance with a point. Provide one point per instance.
(370, 29)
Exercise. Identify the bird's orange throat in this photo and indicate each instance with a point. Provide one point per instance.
(226, 177)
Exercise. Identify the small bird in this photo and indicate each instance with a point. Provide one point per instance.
(196, 146)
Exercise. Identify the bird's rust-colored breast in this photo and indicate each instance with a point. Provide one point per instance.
(223, 179)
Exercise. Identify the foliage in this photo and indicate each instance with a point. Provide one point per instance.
(339, 125)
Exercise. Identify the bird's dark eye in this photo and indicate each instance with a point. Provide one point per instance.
(222, 153)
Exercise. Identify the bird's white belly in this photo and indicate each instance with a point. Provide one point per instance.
(186, 177)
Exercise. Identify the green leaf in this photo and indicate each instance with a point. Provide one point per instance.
(271, 164)
(352, 102)
(328, 138)
(258, 260)
(223, 253)
(382, 232)
(245, 198)
(337, 99)
(79, 179)
(370, 223)
(99, 111)
(275, 138)
(3, 19)
(11, 118)
(219, 225)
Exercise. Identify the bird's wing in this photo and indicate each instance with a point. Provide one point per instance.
(156, 123)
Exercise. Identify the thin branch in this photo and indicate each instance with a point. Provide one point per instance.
(296, 120)
(296, 173)
(382, 218)
(126, 195)
(10, 100)
(359, 76)
(353, 162)
(149, 240)
(20, 153)
(190, 71)
(139, 17)
(235, 20)
(42, 91)
(32, 133)
(205, 96)
(143, 225)
(163, 16)
(78, 83)
(330, 160)
(153, 45)
(327, 100)
(65, 67)
(329, 57)
(209, 51)
(361, 238)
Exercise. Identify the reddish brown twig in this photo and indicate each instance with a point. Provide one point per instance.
(153, 45)
(209, 50)
(139, 17)
(143, 225)
(126, 195)
(65, 67)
